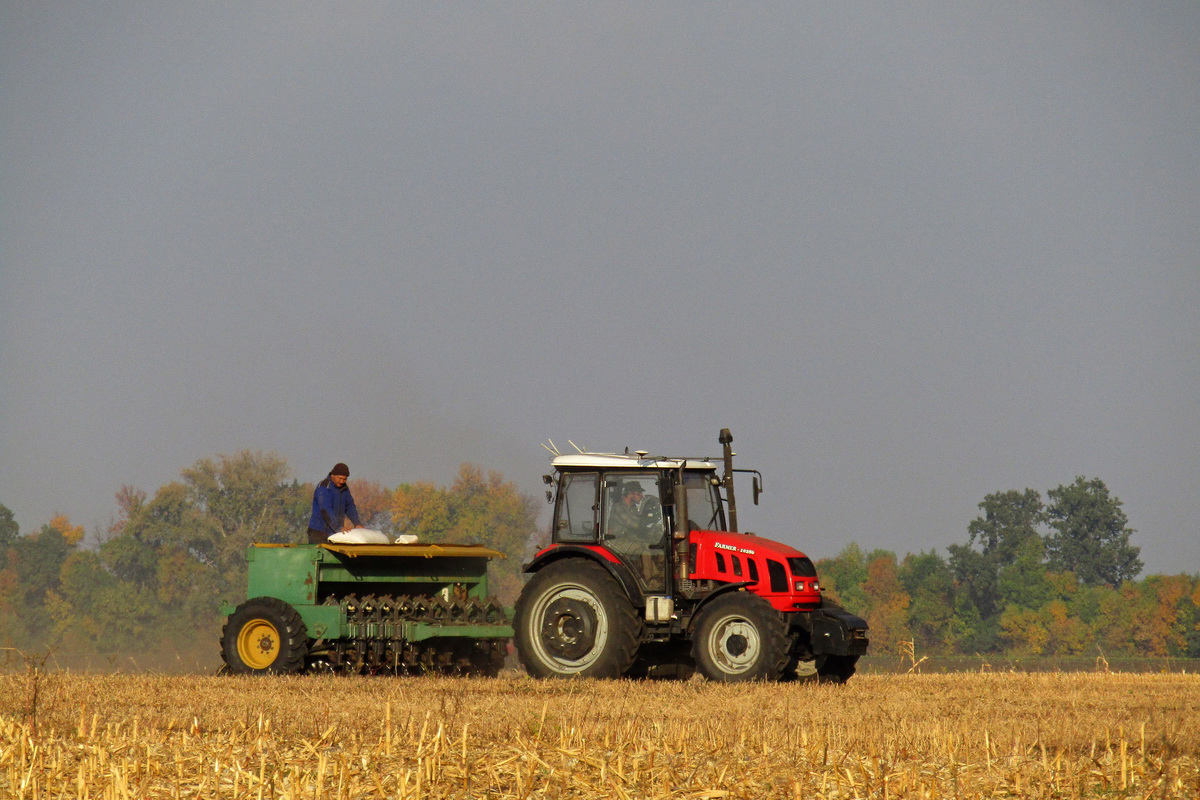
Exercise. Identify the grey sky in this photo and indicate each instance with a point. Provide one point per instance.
(910, 254)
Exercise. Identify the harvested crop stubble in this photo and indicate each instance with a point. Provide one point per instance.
(946, 735)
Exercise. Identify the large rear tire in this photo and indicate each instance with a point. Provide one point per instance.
(740, 637)
(574, 620)
(264, 635)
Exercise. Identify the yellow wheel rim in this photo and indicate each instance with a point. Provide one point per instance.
(258, 644)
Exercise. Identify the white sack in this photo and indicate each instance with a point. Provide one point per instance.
(360, 536)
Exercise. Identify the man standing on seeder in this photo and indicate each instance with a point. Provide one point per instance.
(332, 504)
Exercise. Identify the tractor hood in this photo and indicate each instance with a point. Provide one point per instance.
(779, 573)
(744, 543)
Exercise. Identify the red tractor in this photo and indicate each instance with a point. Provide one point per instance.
(645, 577)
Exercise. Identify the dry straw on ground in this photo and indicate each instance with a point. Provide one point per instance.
(926, 736)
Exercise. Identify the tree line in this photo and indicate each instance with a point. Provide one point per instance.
(1055, 576)
(155, 577)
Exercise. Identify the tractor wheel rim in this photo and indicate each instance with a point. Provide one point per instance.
(735, 645)
(570, 628)
(258, 644)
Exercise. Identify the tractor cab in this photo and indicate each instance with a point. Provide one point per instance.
(624, 505)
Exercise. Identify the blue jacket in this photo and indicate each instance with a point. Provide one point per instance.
(331, 506)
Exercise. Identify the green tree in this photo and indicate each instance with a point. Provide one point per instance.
(153, 528)
(1090, 534)
(1004, 532)
(41, 556)
(977, 579)
(8, 528)
(183, 549)
(843, 576)
(927, 579)
(1024, 582)
(95, 611)
(11, 594)
(244, 498)
(1010, 519)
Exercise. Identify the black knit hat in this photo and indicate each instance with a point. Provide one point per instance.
(340, 469)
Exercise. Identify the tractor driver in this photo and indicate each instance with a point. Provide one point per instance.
(628, 518)
(635, 527)
(332, 504)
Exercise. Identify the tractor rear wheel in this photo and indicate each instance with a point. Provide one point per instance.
(574, 620)
(264, 634)
(740, 637)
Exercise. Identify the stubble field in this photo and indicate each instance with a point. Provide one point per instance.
(962, 735)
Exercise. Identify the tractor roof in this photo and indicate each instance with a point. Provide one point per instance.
(629, 461)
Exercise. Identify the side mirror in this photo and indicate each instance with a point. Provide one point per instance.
(756, 489)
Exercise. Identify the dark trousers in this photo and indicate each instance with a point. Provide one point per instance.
(317, 537)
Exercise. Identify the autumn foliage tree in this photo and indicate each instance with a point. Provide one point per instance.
(480, 508)
(887, 603)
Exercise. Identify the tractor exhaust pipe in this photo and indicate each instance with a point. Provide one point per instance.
(726, 440)
(682, 534)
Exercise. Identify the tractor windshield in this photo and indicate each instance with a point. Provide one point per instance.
(703, 502)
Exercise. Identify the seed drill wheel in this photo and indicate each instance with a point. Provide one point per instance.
(740, 637)
(264, 634)
(574, 620)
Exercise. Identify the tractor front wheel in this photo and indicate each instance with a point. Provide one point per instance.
(821, 669)
(574, 620)
(740, 637)
(264, 634)
(836, 669)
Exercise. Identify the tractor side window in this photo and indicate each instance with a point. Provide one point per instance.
(737, 565)
(720, 561)
(576, 521)
(632, 508)
(753, 569)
